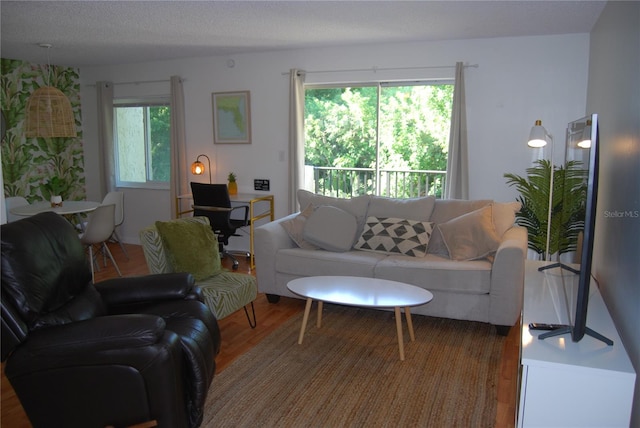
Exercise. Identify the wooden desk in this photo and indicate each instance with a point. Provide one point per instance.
(251, 199)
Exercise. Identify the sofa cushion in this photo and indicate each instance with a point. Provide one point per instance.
(295, 228)
(435, 273)
(414, 208)
(190, 247)
(331, 229)
(297, 262)
(391, 235)
(471, 236)
(445, 210)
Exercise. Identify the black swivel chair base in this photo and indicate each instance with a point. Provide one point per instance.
(230, 254)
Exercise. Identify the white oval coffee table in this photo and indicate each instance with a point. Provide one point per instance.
(364, 292)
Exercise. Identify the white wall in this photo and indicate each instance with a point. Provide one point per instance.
(614, 93)
(518, 81)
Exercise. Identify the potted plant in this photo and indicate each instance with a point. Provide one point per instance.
(233, 186)
(55, 186)
(568, 205)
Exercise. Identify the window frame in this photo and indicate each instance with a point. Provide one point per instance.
(379, 85)
(145, 102)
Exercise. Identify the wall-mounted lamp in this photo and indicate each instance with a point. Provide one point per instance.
(197, 168)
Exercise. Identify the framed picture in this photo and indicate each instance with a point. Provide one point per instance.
(231, 117)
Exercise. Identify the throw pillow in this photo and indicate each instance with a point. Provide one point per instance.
(445, 210)
(504, 216)
(331, 229)
(471, 236)
(295, 228)
(190, 247)
(356, 206)
(395, 236)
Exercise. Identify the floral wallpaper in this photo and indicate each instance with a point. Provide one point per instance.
(28, 163)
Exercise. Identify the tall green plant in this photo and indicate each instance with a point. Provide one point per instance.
(568, 205)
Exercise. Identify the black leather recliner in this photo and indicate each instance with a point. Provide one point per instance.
(119, 352)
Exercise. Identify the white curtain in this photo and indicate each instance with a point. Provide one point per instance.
(457, 181)
(178, 180)
(105, 137)
(296, 136)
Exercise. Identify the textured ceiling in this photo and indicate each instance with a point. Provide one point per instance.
(87, 33)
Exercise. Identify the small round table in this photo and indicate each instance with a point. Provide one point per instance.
(67, 208)
(364, 292)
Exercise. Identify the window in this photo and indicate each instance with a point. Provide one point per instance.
(142, 143)
(388, 139)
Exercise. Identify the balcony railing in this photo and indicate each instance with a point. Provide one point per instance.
(350, 182)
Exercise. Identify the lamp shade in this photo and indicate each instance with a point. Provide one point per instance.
(538, 135)
(49, 114)
(585, 139)
(198, 168)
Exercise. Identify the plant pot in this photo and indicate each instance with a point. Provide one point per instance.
(56, 201)
(233, 188)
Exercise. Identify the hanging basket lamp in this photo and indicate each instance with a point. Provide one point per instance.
(49, 114)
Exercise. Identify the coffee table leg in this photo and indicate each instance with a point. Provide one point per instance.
(319, 322)
(305, 318)
(399, 330)
(407, 313)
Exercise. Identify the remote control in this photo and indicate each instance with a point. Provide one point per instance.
(543, 326)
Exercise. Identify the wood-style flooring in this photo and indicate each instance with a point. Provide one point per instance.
(238, 338)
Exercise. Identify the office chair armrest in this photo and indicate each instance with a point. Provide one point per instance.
(214, 209)
(246, 212)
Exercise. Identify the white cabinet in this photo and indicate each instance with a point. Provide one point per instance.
(564, 383)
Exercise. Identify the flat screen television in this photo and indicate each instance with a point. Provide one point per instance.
(581, 163)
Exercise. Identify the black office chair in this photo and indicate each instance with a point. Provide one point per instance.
(212, 201)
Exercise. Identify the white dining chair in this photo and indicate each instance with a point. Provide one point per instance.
(99, 229)
(13, 202)
(117, 198)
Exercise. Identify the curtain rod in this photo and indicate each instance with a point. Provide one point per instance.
(376, 69)
(138, 82)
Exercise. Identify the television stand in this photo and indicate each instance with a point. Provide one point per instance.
(568, 384)
(567, 330)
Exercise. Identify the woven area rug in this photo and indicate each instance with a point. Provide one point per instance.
(348, 373)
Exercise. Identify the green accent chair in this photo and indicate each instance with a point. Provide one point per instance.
(224, 292)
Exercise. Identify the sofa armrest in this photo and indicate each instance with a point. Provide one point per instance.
(269, 239)
(507, 277)
(148, 288)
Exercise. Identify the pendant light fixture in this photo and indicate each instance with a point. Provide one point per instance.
(49, 113)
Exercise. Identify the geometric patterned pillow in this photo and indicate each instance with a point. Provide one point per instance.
(395, 236)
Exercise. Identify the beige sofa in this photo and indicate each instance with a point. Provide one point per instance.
(469, 254)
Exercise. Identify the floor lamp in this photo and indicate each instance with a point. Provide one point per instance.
(538, 138)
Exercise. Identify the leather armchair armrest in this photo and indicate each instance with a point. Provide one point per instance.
(149, 288)
(96, 335)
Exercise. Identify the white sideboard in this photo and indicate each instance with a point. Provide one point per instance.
(565, 383)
